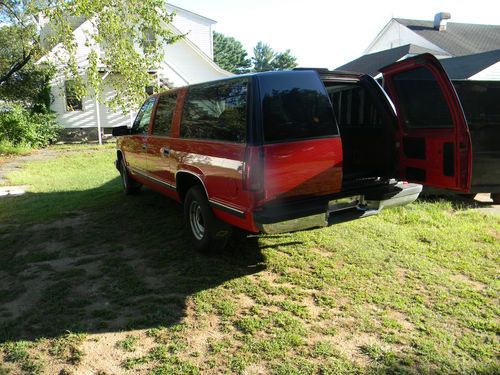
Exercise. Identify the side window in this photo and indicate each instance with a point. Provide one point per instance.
(421, 100)
(164, 114)
(141, 122)
(354, 106)
(216, 111)
(73, 103)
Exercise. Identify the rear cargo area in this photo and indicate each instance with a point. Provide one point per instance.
(367, 133)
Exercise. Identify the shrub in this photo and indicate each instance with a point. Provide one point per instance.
(7, 148)
(19, 126)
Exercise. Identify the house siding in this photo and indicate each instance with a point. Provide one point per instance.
(492, 73)
(198, 29)
(397, 35)
(187, 61)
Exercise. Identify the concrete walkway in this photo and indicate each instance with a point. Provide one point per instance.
(487, 205)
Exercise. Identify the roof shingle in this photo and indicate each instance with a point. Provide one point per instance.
(458, 39)
(371, 63)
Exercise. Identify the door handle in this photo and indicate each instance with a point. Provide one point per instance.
(144, 146)
(165, 151)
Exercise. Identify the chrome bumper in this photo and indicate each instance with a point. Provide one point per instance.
(346, 209)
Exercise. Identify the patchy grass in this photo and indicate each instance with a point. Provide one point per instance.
(7, 150)
(128, 343)
(413, 290)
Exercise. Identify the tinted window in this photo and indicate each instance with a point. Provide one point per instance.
(353, 106)
(73, 102)
(141, 122)
(480, 101)
(295, 106)
(421, 101)
(216, 111)
(164, 114)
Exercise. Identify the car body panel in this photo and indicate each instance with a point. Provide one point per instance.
(303, 175)
(310, 167)
(481, 103)
(436, 157)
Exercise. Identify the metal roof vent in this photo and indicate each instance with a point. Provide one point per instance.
(440, 20)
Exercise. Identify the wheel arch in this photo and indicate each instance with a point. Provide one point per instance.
(185, 180)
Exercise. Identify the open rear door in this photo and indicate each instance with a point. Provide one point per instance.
(434, 141)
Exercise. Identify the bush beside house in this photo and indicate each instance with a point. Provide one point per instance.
(22, 128)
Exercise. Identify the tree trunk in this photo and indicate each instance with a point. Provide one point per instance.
(16, 67)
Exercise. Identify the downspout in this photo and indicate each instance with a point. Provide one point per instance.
(98, 114)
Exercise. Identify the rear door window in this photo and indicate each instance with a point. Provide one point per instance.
(216, 111)
(164, 113)
(420, 83)
(295, 106)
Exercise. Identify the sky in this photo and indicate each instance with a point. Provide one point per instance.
(327, 33)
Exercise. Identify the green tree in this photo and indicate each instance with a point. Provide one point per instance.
(29, 85)
(265, 59)
(284, 61)
(126, 39)
(230, 54)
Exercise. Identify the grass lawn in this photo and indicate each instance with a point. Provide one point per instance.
(92, 281)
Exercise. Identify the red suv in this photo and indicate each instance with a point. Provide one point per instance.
(283, 151)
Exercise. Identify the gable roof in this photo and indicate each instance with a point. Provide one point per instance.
(464, 67)
(371, 63)
(459, 38)
(182, 10)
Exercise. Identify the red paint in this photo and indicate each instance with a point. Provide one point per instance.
(435, 138)
(242, 178)
(302, 168)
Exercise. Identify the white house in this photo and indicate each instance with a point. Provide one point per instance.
(189, 60)
(467, 51)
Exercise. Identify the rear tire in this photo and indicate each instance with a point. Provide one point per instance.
(207, 232)
(130, 186)
(495, 197)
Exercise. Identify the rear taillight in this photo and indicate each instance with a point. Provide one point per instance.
(253, 169)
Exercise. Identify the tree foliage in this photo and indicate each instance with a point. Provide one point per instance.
(125, 38)
(265, 59)
(29, 85)
(230, 54)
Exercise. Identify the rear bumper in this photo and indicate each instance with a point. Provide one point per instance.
(324, 212)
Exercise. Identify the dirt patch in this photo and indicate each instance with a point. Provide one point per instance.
(494, 233)
(401, 319)
(255, 369)
(321, 251)
(103, 356)
(349, 344)
(13, 164)
(244, 302)
(33, 290)
(77, 221)
(464, 279)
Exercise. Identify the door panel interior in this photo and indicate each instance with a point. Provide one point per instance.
(434, 140)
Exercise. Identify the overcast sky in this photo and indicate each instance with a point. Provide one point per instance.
(327, 33)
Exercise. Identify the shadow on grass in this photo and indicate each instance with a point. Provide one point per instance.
(123, 266)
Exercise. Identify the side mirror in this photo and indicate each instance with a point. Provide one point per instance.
(121, 130)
